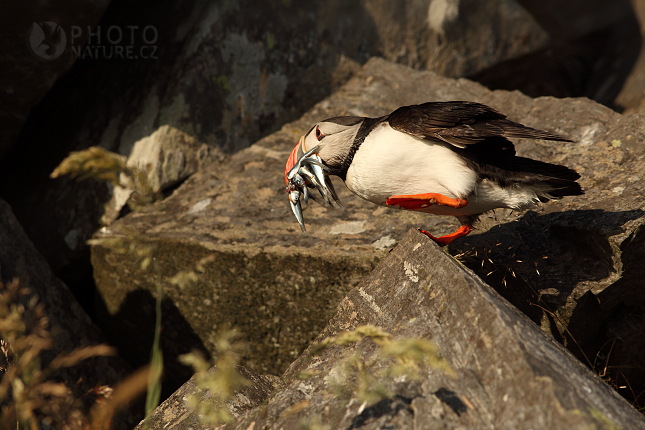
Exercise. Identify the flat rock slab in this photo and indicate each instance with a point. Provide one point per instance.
(508, 373)
(279, 286)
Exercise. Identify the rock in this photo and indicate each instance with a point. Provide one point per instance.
(572, 19)
(70, 326)
(632, 94)
(174, 413)
(168, 156)
(237, 211)
(451, 37)
(571, 266)
(223, 74)
(593, 48)
(507, 372)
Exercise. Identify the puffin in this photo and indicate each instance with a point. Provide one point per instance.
(445, 158)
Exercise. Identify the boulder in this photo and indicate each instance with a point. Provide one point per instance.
(506, 372)
(223, 75)
(632, 95)
(280, 287)
(451, 37)
(592, 53)
(168, 156)
(70, 327)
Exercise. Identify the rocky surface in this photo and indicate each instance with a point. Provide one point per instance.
(70, 326)
(506, 372)
(237, 211)
(224, 74)
(174, 413)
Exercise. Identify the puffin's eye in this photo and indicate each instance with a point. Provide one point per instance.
(319, 134)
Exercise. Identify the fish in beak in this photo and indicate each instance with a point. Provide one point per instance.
(302, 172)
(444, 158)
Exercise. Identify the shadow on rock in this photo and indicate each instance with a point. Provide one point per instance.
(131, 330)
(386, 407)
(578, 274)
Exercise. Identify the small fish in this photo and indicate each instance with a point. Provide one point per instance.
(308, 171)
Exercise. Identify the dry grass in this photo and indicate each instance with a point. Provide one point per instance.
(29, 396)
(217, 385)
(366, 378)
(98, 163)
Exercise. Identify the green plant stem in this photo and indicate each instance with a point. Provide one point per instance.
(156, 355)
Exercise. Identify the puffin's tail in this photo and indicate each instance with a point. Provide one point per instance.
(550, 181)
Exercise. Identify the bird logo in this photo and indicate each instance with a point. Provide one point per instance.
(47, 40)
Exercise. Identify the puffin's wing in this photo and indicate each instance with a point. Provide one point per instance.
(462, 124)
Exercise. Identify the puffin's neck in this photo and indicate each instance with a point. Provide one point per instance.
(344, 156)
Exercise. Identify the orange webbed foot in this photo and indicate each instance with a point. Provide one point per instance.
(420, 201)
(445, 240)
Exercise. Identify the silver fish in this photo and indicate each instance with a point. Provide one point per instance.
(309, 171)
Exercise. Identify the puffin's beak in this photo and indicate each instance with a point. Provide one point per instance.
(303, 171)
(292, 160)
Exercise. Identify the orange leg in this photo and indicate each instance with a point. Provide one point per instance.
(445, 240)
(420, 201)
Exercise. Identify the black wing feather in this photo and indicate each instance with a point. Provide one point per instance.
(480, 135)
(463, 123)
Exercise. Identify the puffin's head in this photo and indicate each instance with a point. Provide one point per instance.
(334, 138)
(318, 153)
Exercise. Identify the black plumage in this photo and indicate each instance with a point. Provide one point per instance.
(480, 135)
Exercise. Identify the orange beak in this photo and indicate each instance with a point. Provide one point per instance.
(291, 161)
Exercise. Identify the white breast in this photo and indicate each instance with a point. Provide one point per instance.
(390, 163)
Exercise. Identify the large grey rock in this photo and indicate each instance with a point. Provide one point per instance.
(508, 374)
(225, 74)
(592, 53)
(451, 37)
(70, 326)
(280, 287)
(632, 95)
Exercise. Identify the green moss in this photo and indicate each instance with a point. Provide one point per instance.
(604, 420)
(270, 40)
(224, 82)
